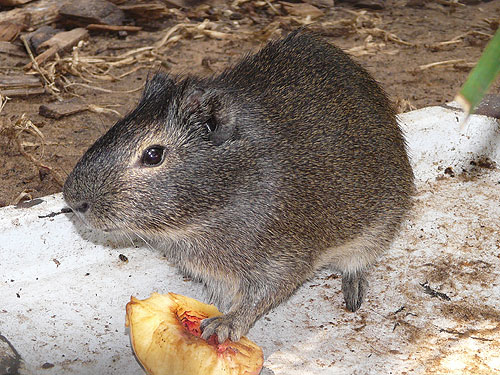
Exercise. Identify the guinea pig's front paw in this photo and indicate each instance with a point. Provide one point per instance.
(224, 326)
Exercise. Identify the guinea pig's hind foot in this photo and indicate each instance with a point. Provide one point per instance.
(354, 287)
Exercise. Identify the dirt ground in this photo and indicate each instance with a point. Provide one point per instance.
(395, 44)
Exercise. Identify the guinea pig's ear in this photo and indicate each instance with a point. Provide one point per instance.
(157, 85)
(210, 108)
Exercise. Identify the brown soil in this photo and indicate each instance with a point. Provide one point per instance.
(395, 63)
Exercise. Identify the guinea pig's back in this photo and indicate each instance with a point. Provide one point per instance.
(333, 128)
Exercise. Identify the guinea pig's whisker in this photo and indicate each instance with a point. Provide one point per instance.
(115, 237)
(123, 233)
(128, 237)
(64, 171)
(146, 242)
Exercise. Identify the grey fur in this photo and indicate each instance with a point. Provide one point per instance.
(290, 161)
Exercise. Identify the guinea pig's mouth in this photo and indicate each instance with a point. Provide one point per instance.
(90, 221)
(100, 219)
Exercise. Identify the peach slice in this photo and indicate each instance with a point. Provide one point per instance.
(165, 334)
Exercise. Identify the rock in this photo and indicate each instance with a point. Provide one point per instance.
(366, 4)
(12, 49)
(60, 42)
(236, 16)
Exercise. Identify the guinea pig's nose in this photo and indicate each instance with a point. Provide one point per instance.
(82, 207)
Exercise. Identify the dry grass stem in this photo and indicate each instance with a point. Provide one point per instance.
(387, 36)
(25, 195)
(369, 48)
(96, 109)
(460, 38)
(493, 24)
(304, 21)
(450, 3)
(441, 63)
(3, 101)
(266, 33)
(92, 68)
(103, 89)
(110, 68)
(272, 7)
(363, 19)
(365, 24)
(49, 85)
(237, 3)
(404, 105)
(24, 126)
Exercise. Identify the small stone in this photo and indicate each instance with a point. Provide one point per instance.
(366, 4)
(235, 16)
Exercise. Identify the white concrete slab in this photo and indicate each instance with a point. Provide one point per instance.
(63, 290)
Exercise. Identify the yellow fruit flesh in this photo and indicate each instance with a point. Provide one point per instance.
(165, 330)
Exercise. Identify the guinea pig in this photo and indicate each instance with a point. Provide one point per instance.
(252, 180)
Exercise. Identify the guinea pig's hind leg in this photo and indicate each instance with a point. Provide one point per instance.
(354, 287)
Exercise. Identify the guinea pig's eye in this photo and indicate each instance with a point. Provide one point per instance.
(153, 156)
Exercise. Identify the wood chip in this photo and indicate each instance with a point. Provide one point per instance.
(83, 13)
(19, 81)
(114, 28)
(23, 92)
(147, 10)
(58, 110)
(39, 36)
(62, 41)
(302, 10)
(39, 13)
(10, 3)
(320, 3)
(66, 39)
(12, 49)
(185, 4)
(9, 31)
